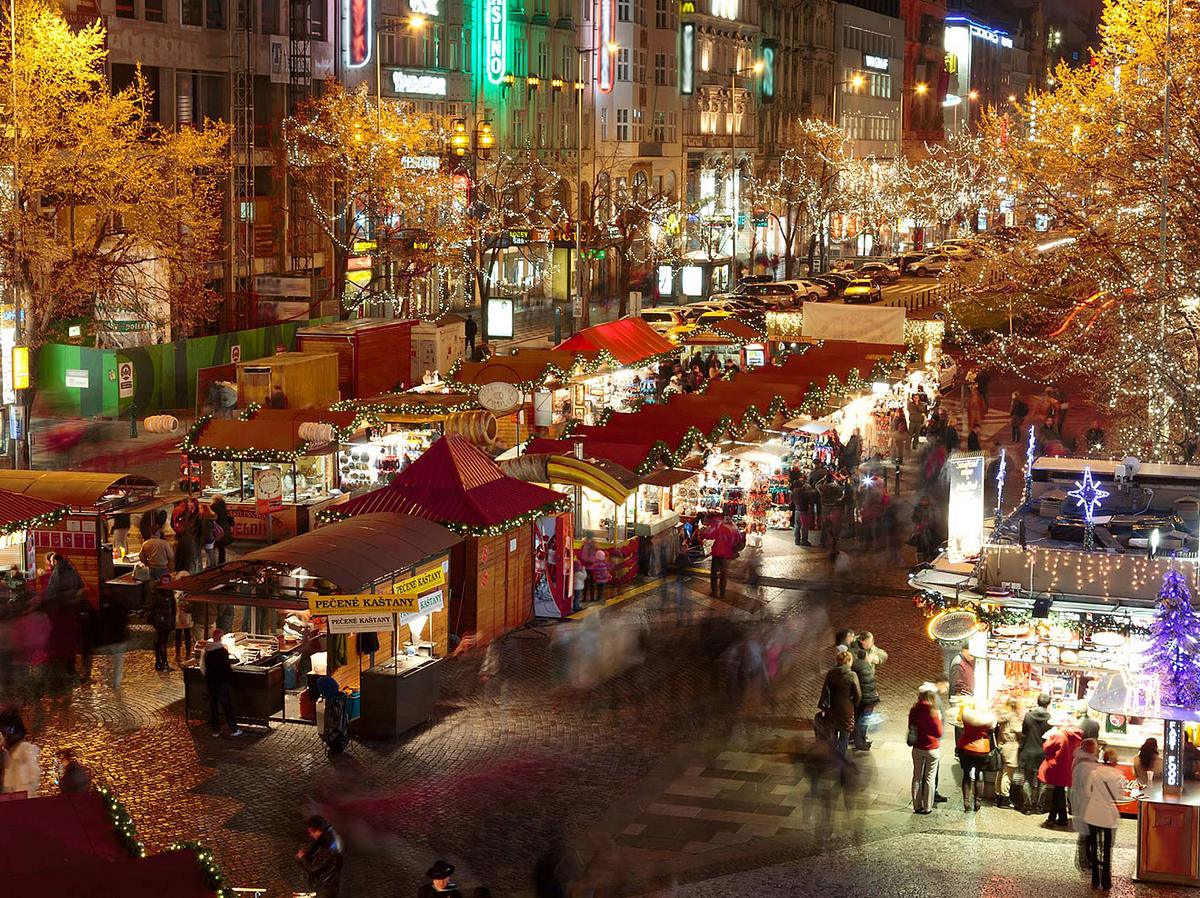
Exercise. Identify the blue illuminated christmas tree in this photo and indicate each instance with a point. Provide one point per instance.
(1175, 643)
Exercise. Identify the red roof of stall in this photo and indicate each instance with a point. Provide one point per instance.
(453, 482)
(17, 507)
(628, 340)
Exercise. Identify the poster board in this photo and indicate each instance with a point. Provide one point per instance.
(964, 519)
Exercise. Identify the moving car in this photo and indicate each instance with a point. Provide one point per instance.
(935, 264)
(880, 272)
(862, 290)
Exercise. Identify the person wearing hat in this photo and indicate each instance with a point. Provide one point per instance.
(439, 882)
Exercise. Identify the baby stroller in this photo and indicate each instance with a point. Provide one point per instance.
(333, 719)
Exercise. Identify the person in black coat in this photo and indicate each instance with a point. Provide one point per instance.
(218, 678)
(321, 859)
(440, 885)
(161, 616)
(840, 696)
(1031, 753)
(867, 656)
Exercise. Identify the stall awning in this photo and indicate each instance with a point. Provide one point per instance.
(350, 554)
(668, 477)
(528, 368)
(18, 512)
(76, 489)
(456, 484)
(411, 404)
(612, 481)
(726, 331)
(628, 340)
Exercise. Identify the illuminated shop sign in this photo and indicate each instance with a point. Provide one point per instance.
(878, 63)
(424, 7)
(687, 58)
(358, 32)
(605, 37)
(726, 9)
(424, 83)
(495, 39)
(768, 71)
(991, 35)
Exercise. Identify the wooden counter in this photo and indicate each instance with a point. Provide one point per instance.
(397, 695)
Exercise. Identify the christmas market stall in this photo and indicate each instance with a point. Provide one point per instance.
(332, 601)
(516, 556)
(538, 382)
(373, 354)
(627, 353)
(72, 513)
(405, 425)
(275, 468)
(86, 845)
(1075, 593)
(731, 341)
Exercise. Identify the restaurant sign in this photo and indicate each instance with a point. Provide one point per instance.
(375, 603)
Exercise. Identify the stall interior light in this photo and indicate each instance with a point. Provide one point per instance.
(880, 388)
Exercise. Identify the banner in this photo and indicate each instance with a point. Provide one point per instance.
(965, 517)
(420, 582)
(361, 623)
(372, 603)
(860, 324)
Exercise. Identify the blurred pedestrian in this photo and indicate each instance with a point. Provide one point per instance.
(1094, 438)
(579, 576)
(840, 695)
(222, 527)
(1017, 410)
(1106, 788)
(155, 552)
(113, 633)
(22, 762)
(727, 541)
(71, 775)
(217, 668)
(867, 656)
(470, 331)
(924, 737)
(924, 532)
(1055, 770)
(587, 555)
(183, 629)
(160, 614)
(439, 882)
(1084, 763)
(120, 532)
(1008, 742)
(1147, 764)
(974, 745)
(322, 858)
(830, 502)
(600, 575)
(805, 502)
(1030, 754)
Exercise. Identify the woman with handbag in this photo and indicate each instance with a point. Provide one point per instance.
(975, 745)
(924, 737)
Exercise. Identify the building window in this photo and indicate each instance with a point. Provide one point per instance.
(623, 64)
(639, 67)
(316, 20)
(519, 64)
(214, 14)
(604, 123)
(191, 12)
(623, 125)
(624, 9)
(268, 17)
(543, 60)
(518, 127)
(569, 65)
(660, 68)
(660, 14)
(126, 9)
(542, 130)
(155, 11)
(706, 48)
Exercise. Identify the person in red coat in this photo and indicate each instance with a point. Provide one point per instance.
(1059, 749)
(727, 542)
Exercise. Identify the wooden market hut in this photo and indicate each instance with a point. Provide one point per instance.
(515, 534)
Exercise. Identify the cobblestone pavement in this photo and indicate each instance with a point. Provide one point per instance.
(659, 777)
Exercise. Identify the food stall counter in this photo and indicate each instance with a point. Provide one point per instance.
(258, 682)
(1168, 838)
(398, 694)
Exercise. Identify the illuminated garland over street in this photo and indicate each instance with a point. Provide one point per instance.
(602, 363)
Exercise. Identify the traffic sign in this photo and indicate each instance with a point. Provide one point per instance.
(125, 380)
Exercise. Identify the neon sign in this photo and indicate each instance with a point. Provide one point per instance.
(768, 71)
(358, 32)
(495, 37)
(605, 36)
(418, 83)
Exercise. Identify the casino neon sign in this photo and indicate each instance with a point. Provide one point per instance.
(605, 37)
(495, 28)
(358, 32)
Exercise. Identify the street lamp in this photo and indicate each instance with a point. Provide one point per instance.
(972, 96)
(856, 82)
(581, 311)
(755, 69)
(920, 89)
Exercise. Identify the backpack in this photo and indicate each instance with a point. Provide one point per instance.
(218, 533)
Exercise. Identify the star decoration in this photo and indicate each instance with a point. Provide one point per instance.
(1088, 494)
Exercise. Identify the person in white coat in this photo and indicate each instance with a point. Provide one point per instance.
(1105, 792)
(1086, 760)
(22, 768)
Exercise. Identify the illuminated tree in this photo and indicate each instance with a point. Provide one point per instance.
(1174, 643)
(802, 188)
(106, 215)
(377, 182)
(1097, 295)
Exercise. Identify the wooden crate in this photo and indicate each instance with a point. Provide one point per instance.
(373, 353)
(308, 379)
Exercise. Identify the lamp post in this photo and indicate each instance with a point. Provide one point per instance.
(755, 69)
(856, 82)
(582, 308)
(920, 89)
(972, 96)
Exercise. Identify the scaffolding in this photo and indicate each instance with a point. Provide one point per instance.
(242, 193)
(301, 225)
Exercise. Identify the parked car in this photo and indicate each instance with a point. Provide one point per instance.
(807, 289)
(862, 290)
(904, 262)
(712, 317)
(960, 251)
(879, 272)
(772, 294)
(840, 278)
(935, 264)
(834, 286)
(662, 319)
